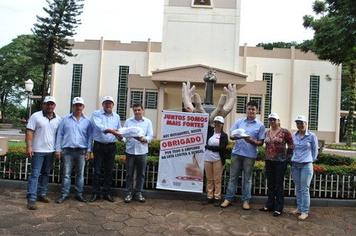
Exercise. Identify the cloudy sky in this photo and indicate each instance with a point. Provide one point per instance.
(129, 20)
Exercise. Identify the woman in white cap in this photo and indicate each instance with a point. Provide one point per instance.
(214, 160)
(305, 153)
(279, 150)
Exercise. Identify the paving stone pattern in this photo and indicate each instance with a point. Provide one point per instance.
(162, 217)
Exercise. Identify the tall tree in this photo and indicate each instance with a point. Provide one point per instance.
(335, 40)
(52, 34)
(16, 66)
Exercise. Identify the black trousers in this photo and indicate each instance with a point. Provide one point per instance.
(104, 157)
(275, 171)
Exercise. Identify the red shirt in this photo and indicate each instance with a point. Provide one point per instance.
(276, 145)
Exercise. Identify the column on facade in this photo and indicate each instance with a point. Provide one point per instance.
(160, 107)
(291, 85)
(244, 59)
(148, 57)
(100, 68)
(338, 102)
(53, 77)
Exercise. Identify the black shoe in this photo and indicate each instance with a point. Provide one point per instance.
(31, 205)
(128, 198)
(217, 202)
(264, 209)
(277, 213)
(61, 199)
(94, 197)
(139, 197)
(80, 198)
(109, 198)
(43, 199)
(207, 201)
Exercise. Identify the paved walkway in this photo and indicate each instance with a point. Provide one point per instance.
(161, 217)
(12, 134)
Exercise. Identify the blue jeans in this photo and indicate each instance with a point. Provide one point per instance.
(239, 163)
(138, 163)
(41, 163)
(302, 174)
(73, 157)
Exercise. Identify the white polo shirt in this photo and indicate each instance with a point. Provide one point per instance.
(45, 129)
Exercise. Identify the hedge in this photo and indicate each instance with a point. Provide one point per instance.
(326, 163)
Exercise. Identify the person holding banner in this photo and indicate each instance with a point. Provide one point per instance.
(136, 153)
(214, 160)
(251, 134)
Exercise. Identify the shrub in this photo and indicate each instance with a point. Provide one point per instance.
(341, 147)
(17, 149)
(339, 170)
(334, 160)
(319, 169)
(154, 148)
(120, 148)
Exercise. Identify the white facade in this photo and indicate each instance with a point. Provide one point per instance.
(193, 37)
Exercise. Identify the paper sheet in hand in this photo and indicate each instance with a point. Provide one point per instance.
(131, 132)
(239, 133)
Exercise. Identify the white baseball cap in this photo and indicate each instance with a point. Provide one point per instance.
(49, 99)
(301, 118)
(78, 100)
(273, 115)
(219, 119)
(107, 98)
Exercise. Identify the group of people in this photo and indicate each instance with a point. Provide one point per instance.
(73, 139)
(300, 149)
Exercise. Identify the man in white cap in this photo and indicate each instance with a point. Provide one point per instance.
(40, 146)
(105, 133)
(74, 141)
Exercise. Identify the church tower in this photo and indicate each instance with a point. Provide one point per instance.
(201, 32)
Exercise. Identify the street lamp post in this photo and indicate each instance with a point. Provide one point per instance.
(28, 88)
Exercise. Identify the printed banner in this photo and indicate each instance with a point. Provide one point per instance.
(181, 162)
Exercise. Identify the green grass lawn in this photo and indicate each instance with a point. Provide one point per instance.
(341, 146)
(17, 144)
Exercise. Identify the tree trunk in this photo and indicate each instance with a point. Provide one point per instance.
(352, 104)
(44, 80)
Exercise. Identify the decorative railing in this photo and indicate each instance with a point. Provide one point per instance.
(322, 186)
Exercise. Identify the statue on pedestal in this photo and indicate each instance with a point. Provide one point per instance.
(224, 106)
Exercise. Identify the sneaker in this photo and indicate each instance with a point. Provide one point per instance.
(139, 197)
(295, 212)
(61, 199)
(44, 199)
(303, 216)
(31, 205)
(277, 213)
(128, 198)
(225, 204)
(246, 205)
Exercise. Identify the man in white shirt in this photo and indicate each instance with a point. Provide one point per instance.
(136, 154)
(40, 146)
